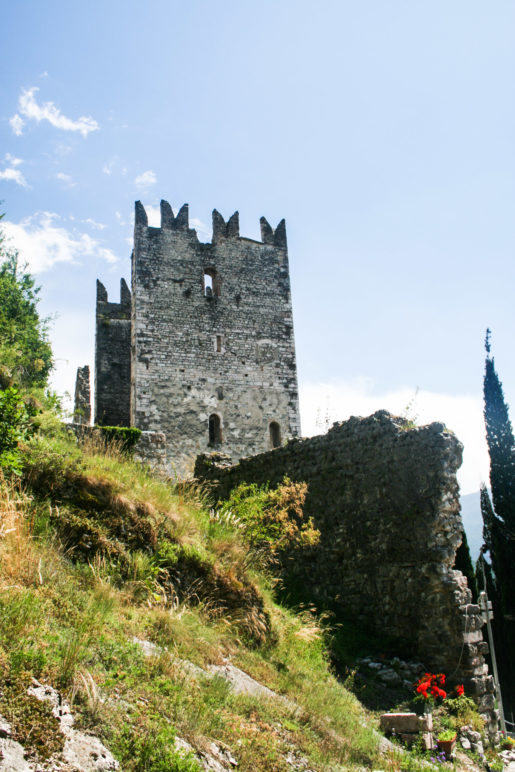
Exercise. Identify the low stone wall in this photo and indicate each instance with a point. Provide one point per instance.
(150, 448)
(385, 499)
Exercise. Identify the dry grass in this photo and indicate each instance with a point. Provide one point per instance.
(79, 617)
(20, 561)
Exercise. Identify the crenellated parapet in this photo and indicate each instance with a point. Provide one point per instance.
(222, 229)
(276, 238)
(225, 230)
(105, 307)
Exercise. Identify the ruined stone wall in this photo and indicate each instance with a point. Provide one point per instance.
(212, 336)
(82, 401)
(112, 358)
(385, 499)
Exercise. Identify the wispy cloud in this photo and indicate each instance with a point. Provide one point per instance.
(29, 109)
(323, 403)
(67, 179)
(99, 226)
(43, 241)
(11, 172)
(146, 179)
(12, 161)
(17, 124)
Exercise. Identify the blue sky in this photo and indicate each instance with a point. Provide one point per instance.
(382, 131)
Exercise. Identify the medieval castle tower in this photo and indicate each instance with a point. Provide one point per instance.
(202, 348)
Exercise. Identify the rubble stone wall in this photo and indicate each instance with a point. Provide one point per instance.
(82, 401)
(113, 358)
(212, 337)
(385, 498)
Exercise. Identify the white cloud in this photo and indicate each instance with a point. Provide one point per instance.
(153, 215)
(62, 149)
(107, 169)
(29, 108)
(323, 403)
(15, 175)
(42, 242)
(17, 124)
(66, 178)
(94, 224)
(12, 161)
(145, 179)
(12, 172)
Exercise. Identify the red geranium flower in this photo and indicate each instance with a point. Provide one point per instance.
(460, 690)
(429, 686)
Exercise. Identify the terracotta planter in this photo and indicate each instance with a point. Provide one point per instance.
(447, 746)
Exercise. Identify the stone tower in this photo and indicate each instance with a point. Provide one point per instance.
(212, 353)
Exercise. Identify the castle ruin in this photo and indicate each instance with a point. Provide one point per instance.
(200, 356)
(202, 349)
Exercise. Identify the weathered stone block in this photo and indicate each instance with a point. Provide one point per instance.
(406, 722)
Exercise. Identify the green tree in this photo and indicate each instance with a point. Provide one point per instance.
(15, 425)
(499, 523)
(464, 564)
(25, 353)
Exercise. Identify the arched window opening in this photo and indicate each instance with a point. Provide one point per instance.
(211, 283)
(275, 434)
(215, 429)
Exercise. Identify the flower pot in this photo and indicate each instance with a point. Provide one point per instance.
(447, 746)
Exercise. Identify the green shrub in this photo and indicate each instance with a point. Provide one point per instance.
(271, 521)
(142, 746)
(15, 426)
(124, 437)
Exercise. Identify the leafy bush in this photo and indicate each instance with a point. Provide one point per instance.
(124, 436)
(25, 353)
(271, 521)
(15, 415)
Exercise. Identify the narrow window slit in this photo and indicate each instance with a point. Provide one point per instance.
(275, 434)
(215, 429)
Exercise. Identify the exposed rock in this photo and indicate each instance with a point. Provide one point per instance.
(390, 677)
(12, 757)
(81, 752)
(5, 728)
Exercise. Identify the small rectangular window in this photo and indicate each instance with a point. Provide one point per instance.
(218, 344)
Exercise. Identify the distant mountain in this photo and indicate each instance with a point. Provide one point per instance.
(473, 522)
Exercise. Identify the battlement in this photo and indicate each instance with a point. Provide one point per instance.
(221, 229)
(105, 306)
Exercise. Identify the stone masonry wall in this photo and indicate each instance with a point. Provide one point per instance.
(112, 358)
(385, 499)
(212, 336)
(82, 401)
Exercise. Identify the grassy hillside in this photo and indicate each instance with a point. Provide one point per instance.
(95, 552)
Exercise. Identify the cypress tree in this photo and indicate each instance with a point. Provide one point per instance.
(464, 564)
(499, 523)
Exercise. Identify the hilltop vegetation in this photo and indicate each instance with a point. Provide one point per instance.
(133, 598)
(98, 560)
(94, 553)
